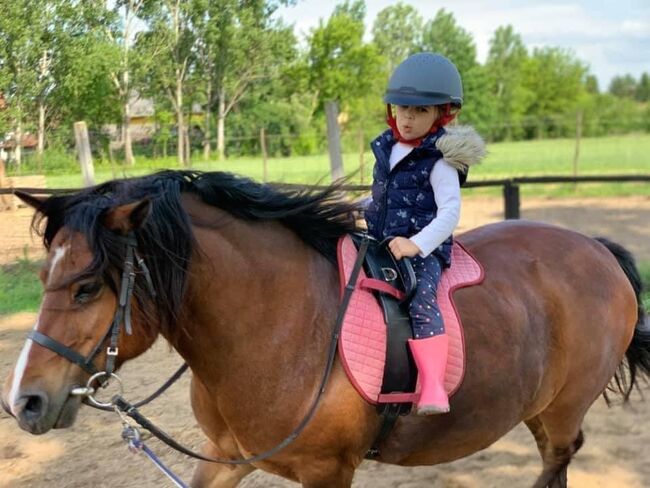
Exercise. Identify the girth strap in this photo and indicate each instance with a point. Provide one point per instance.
(55, 346)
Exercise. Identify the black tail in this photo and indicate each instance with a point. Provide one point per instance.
(638, 352)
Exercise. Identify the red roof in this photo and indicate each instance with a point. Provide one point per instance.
(29, 141)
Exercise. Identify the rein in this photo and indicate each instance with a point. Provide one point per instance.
(123, 316)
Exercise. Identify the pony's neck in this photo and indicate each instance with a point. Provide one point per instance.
(259, 299)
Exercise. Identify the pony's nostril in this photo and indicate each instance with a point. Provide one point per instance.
(33, 406)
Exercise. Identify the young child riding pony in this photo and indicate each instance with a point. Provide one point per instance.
(416, 198)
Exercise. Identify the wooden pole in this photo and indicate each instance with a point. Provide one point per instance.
(576, 154)
(83, 150)
(265, 156)
(334, 140)
(362, 151)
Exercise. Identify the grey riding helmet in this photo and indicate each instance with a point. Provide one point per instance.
(425, 79)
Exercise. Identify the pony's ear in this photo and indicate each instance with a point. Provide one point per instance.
(31, 200)
(128, 217)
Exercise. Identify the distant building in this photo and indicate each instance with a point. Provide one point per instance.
(142, 119)
(8, 145)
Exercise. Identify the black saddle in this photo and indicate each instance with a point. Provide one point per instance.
(400, 373)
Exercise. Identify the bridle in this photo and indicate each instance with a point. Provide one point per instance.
(123, 317)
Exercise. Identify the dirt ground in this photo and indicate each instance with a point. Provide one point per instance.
(91, 453)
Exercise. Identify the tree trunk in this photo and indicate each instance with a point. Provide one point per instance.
(221, 120)
(206, 124)
(41, 133)
(129, 160)
(41, 129)
(180, 124)
(188, 154)
(18, 153)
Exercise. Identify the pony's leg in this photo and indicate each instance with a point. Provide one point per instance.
(537, 429)
(213, 475)
(558, 439)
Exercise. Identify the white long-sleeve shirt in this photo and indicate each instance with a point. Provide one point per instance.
(446, 191)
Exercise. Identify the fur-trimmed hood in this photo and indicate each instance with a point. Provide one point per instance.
(461, 146)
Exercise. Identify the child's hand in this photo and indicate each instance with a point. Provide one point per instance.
(401, 247)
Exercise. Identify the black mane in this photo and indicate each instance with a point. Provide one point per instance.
(165, 241)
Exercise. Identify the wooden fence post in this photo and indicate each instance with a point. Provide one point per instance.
(576, 154)
(334, 140)
(265, 156)
(83, 150)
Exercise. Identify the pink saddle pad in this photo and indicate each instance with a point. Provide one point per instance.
(362, 343)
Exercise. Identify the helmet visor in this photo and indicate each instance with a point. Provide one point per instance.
(414, 98)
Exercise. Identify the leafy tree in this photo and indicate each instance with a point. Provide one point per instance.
(396, 33)
(504, 65)
(642, 93)
(340, 65)
(170, 45)
(20, 53)
(623, 86)
(556, 78)
(237, 45)
(591, 85)
(122, 16)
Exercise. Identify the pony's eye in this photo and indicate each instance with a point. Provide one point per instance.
(87, 291)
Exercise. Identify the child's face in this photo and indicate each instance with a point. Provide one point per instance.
(415, 122)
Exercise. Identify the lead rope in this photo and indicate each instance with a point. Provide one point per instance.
(132, 436)
(135, 444)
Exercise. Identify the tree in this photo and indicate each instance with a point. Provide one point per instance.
(396, 33)
(121, 33)
(21, 49)
(169, 45)
(556, 78)
(642, 93)
(340, 65)
(623, 86)
(591, 85)
(504, 65)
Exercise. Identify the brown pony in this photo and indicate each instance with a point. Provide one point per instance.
(246, 290)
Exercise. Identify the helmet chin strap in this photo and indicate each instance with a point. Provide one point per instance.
(446, 117)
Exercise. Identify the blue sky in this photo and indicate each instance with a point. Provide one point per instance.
(611, 36)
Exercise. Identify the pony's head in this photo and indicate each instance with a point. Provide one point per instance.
(83, 279)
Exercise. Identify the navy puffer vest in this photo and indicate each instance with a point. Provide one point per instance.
(402, 200)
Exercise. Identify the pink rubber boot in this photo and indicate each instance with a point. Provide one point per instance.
(430, 356)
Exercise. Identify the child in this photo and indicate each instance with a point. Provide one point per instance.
(416, 198)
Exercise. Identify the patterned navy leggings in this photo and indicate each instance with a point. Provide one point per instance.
(426, 319)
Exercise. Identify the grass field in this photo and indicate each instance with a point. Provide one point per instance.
(629, 154)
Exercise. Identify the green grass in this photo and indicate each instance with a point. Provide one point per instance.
(627, 154)
(20, 289)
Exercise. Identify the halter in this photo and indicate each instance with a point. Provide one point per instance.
(122, 317)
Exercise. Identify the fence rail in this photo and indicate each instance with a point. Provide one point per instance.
(511, 196)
